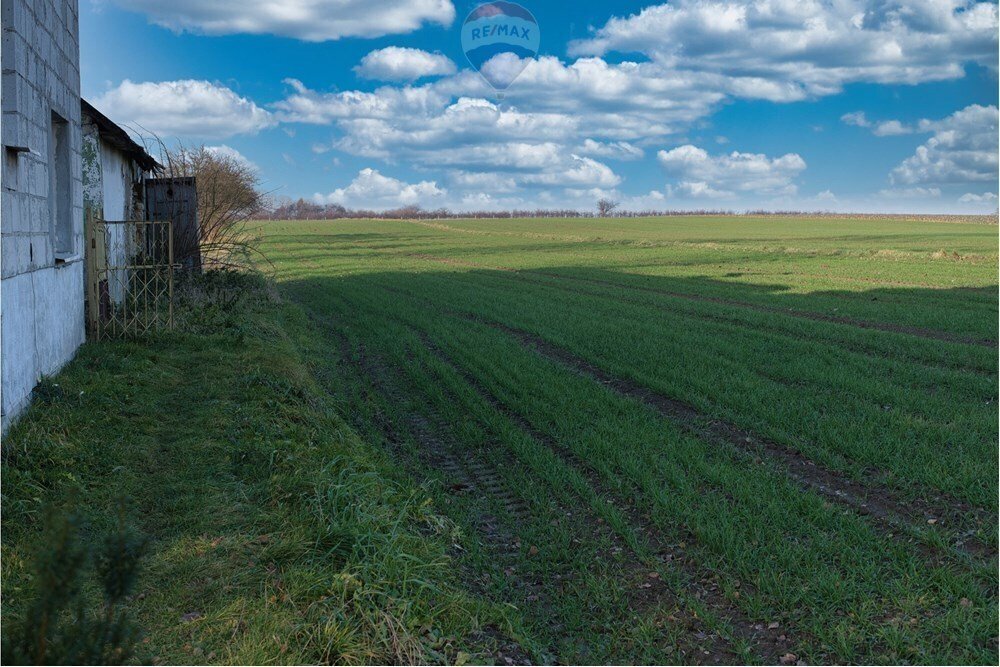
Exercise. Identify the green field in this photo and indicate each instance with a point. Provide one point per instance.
(682, 439)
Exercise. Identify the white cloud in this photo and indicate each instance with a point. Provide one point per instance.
(787, 50)
(308, 106)
(891, 128)
(699, 190)
(618, 150)
(722, 176)
(963, 149)
(698, 54)
(395, 63)
(487, 181)
(310, 20)
(186, 108)
(856, 118)
(553, 120)
(418, 126)
(885, 128)
(973, 198)
(371, 190)
(652, 200)
(910, 193)
(233, 154)
(623, 101)
(581, 171)
(620, 102)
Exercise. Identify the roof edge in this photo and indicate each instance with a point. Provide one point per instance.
(118, 137)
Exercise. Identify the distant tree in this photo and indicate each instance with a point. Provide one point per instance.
(410, 212)
(606, 207)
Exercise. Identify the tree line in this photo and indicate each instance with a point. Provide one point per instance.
(303, 209)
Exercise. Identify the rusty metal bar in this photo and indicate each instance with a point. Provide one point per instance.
(126, 282)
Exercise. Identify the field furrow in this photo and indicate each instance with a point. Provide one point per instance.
(650, 547)
(877, 501)
(652, 453)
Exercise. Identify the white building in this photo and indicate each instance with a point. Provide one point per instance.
(115, 170)
(41, 216)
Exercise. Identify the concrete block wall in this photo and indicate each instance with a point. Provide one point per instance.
(41, 301)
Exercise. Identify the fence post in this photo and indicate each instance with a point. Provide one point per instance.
(170, 274)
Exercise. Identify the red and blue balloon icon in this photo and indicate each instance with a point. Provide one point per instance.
(500, 39)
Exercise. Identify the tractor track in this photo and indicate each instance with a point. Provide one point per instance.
(771, 642)
(465, 473)
(878, 503)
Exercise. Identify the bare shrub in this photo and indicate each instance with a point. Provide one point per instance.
(229, 195)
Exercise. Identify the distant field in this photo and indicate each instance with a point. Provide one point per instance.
(683, 439)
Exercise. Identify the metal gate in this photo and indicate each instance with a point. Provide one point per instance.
(130, 277)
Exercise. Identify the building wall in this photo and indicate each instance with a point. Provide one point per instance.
(41, 301)
(112, 190)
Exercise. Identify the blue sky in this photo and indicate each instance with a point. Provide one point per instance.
(880, 105)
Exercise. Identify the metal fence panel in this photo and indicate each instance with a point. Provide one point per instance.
(130, 281)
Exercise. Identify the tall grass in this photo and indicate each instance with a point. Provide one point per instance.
(275, 534)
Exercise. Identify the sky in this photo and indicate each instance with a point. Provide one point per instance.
(838, 105)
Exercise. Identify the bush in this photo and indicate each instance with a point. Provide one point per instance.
(57, 627)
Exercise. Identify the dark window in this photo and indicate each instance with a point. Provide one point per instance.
(60, 188)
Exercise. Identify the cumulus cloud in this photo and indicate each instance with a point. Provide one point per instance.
(395, 63)
(372, 190)
(562, 121)
(891, 128)
(304, 105)
(701, 175)
(231, 153)
(619, 150)
(483, 181)
(885, 128)
(856, 118)
(309, 20)
(784, 50)
(963, 149)
(699, 190)
(419, 125)
(619, 102)
(186, 108)
(973, 198)
(577, 170)
(910, 193)
(622, 101)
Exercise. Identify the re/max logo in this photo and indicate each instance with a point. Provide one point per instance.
(500, 29)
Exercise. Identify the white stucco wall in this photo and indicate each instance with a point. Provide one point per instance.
(41, 302)
(114, 167)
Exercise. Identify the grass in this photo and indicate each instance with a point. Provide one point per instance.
(866, 347)
(276, 534)
(587, 441)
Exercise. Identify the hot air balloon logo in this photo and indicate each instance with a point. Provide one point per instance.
(499, 39)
